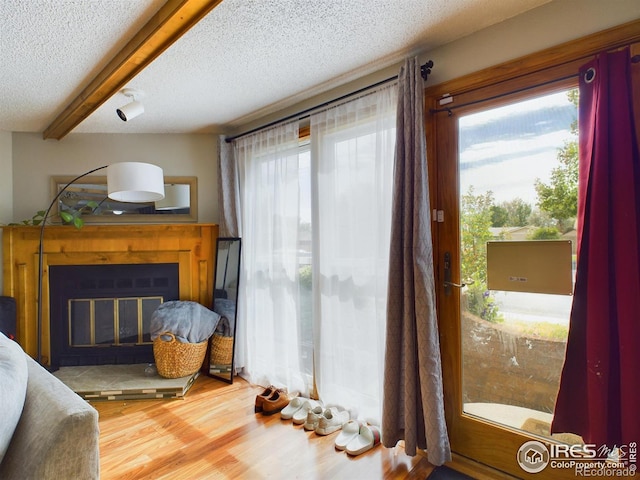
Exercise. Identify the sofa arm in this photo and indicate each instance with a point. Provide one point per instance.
(57, 436)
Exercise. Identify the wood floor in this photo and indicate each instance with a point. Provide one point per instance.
(213, 433)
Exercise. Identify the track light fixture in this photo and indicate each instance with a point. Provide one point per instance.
(132, 109)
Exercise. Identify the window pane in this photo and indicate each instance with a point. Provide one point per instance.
(518, 181)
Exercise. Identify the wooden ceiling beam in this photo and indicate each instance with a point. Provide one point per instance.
(173, 19)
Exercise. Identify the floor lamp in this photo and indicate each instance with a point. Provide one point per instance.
(133, 182)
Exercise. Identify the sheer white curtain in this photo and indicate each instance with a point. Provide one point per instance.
(352, 153)
(268, 168)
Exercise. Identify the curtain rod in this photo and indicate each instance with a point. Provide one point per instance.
(425, 71)
(500, 95)
(634, 59)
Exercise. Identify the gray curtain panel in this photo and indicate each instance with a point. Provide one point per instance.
(228, 189)
(413, 406)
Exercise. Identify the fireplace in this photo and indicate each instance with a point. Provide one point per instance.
(189, 246)
(100, 314)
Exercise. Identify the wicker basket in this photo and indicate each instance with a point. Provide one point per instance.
(221, 349)
(175, 359)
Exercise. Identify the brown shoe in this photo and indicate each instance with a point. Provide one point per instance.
(260, 398)
(275, 402)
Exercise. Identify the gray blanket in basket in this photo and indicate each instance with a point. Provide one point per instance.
(189, 321)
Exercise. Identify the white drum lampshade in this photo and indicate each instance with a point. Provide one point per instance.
(135, 182)
(176, 197)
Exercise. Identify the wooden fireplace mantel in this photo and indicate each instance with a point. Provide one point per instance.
(191, 246)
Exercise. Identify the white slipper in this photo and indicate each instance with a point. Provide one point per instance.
(368, 438)
(294, 405)
(300, 416)
(350, 430)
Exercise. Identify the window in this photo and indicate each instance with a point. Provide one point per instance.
(316, 220)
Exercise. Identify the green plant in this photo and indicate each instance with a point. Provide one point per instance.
(68, 217)
(481, 303)
(544, 233)
(559, 197)
(74, 217)
(514, 213)
(37, 219)
(476, 220)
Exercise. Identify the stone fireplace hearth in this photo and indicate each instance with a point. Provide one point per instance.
(190, 247)
(97, 383)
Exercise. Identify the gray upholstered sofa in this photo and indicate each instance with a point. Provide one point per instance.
(46, 430)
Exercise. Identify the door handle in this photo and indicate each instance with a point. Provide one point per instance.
(457, 285)
(448, 284)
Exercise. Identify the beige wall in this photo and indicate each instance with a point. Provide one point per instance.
(36, 160)
(6, 179)
(6, 184)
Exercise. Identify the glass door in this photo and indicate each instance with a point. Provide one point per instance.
(515, 166)
(518, 183)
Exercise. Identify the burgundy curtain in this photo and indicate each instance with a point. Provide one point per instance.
(599, 395)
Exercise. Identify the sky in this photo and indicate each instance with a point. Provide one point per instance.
(506, 149)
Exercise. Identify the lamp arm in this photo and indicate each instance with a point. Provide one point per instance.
(41, 256)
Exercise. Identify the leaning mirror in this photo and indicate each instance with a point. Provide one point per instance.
(89, 197)
(220, 356)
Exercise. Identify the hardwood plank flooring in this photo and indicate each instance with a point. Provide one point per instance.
(213, 433)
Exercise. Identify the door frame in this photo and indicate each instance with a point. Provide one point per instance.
(542, 72)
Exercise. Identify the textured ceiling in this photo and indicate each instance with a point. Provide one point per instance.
(246, 58)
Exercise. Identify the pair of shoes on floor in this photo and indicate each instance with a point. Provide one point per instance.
(313, 417)
(332, 420)
(271, 400)
(357, 437)
(298, 409)
(261, 397)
